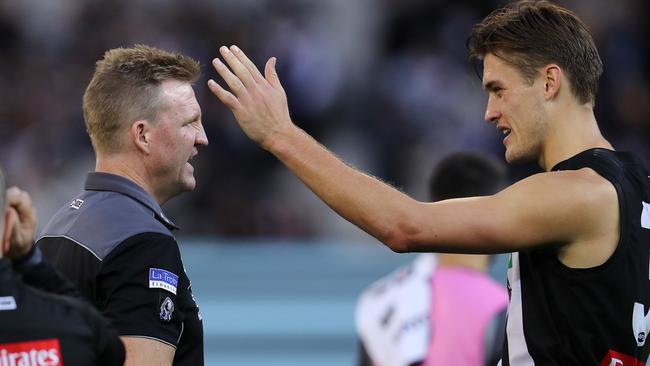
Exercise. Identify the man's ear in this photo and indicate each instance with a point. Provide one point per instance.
(8, 218)
(140, 135)
(552, 78)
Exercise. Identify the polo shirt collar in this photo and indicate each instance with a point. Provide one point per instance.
(97, 181)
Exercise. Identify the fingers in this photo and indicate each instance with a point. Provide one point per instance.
(271, 74)
(231, 79)
(250, 66)
(243, 74)
(22, 223)
(13, 216)
(9, 229)
(21, 202)
(224, 96)
(13, 220)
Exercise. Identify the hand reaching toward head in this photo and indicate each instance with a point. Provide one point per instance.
(258, 102)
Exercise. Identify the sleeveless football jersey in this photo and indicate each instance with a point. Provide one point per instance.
(561, 316)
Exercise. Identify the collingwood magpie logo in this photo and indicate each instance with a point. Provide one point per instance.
(166, 310)
(640, 323)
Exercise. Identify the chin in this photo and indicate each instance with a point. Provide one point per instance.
(517, 157)
(510, 157)
(189, 185)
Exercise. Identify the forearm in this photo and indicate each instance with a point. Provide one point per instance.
(147, 352)
(375, 207)
(259, 104)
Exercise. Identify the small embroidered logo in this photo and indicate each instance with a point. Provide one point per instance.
(166, 310)
(76, 204)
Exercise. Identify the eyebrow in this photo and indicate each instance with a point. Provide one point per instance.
(492, 85)
(195, 117)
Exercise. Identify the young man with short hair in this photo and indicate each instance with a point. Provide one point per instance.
(580, 231)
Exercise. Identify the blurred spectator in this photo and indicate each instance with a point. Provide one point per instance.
(444, 309)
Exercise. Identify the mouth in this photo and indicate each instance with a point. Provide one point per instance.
(189, 160)
(506, 132)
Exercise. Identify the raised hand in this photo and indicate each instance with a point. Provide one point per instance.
(22, 223)
(258, 101)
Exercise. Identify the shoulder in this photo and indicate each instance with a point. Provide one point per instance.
(563, 190)
(552, 208)
(581, 208)
(146, 246)
(100, 221)
(567, 180)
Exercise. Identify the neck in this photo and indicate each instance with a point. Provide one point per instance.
(570, 132)
(122, 165)
(475, 262)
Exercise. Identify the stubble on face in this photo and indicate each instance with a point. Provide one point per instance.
(520, 109)
(531, 126)
(176, 139)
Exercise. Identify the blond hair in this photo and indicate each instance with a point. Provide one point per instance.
(125, 88)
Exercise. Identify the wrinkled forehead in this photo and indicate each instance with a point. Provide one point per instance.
(175, 90)
(178, 94)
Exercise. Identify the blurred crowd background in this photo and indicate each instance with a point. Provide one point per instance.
(383, 83)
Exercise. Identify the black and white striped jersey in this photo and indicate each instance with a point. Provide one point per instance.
(560, 316)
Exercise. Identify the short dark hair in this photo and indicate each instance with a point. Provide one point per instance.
(466, 175)
(531, 34)
(125, 88)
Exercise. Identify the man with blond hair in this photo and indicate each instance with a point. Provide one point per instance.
(113, 239)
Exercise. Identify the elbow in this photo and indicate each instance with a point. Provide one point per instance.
(400, 238)
(398, 247)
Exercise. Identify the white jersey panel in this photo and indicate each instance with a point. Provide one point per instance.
(518, 354)
(392, 315)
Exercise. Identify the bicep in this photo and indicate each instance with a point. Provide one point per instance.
(541, 210)
(145, 352)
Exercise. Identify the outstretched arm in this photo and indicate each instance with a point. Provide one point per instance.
(540, 210)
(259, 104)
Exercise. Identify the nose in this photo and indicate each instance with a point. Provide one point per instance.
(492, 113)
(201, 138)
